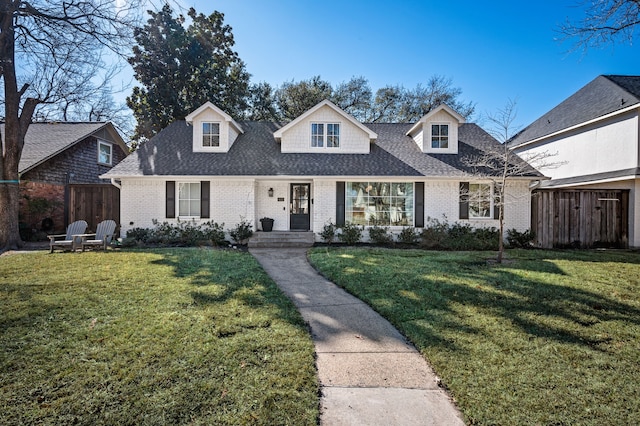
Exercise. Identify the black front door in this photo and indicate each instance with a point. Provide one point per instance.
(300, 202)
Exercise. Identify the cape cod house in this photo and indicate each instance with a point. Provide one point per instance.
(593, 196)
(322, 167)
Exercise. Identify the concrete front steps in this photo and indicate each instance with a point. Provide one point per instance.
(277, 239)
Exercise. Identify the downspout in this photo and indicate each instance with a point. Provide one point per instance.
(116, 184)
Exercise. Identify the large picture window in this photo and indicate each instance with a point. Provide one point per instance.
(189, 199)
(379, 203)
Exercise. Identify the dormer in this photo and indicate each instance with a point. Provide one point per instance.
(325, 129)
(437, 131)
(213, 129)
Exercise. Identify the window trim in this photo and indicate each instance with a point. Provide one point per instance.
(178, 199)
(349, 209)
(325, 134)
(439, 124)
(466, 201)
(203, 134)
(110, 146)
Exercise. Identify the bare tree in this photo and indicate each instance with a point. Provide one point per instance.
(49, 50)
(500, 164)
(605, 22)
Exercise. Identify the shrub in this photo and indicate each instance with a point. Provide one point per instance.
(181, 233)
(139, 234)
(380, 235)
(458, 236)
(214, 233)
(408, 236)
(241, 232)
(351, 234)
(434, 234)
(517, 239)
(328, 232)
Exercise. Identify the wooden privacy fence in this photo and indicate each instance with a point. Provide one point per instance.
(94, 203)
(579, 218)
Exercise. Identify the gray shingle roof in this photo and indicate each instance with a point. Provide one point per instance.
(256, 153)
(44, 140)
(602, 96)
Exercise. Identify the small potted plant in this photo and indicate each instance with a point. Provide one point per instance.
(267, 224)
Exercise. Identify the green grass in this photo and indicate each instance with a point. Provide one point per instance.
(150, 337)
(547, 338)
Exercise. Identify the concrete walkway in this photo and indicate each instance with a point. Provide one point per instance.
(369, 374)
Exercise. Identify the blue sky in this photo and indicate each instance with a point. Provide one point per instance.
(492, 50)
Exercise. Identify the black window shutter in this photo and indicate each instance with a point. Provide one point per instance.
(171, 199)
(204, 199)
(464, 200)
(419, 207)
(340, 194)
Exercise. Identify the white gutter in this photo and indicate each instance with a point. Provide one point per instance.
(116, 184)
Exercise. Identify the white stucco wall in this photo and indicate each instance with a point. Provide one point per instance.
(352, 138)
(606, 146)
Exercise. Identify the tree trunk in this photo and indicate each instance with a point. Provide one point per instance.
(9, 206)
(16, 125)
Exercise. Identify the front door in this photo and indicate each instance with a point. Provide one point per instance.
(300, 202)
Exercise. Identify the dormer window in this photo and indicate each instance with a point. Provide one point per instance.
(211, 134)
(440, 136)
(325, 135)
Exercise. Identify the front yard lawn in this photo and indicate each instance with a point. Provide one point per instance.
(150, 337)
(549, 337)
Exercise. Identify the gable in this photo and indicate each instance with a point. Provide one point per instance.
(603, 96)
(437, 131)
(43, 141)
(325, 129)
(213, 129)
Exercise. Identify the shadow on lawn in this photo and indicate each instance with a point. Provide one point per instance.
(442, 293)
(221, 276)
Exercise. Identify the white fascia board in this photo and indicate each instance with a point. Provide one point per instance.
(437, 109)
(278, 133)
(577, 126)
(208, 105)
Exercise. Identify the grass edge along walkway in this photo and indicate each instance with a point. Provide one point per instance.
(547, 338)
(167, 336)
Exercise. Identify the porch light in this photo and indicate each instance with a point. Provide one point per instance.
(270, 192)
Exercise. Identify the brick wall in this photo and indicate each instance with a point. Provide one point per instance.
(31, 194)
(143, 200)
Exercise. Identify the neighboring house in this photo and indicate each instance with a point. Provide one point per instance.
(594, 133)
(322, 167)
(59, 174)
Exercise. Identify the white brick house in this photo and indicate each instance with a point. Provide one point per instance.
(322, 167)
